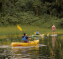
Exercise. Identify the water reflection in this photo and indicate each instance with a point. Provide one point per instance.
(53, 45)
(5, 53)
(53, 42)
(53, 50)
(50, 47)
(21, 53)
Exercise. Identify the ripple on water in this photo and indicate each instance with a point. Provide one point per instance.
(4, 46)
(26, 47)
(42, 45)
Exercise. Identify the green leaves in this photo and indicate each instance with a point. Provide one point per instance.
(32, 12)
(0, 0)
(36, 3)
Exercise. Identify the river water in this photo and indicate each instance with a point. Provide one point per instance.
(50, 47)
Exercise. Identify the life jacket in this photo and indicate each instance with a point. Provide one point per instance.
(53, 27)
(37, 33)
(24, 38)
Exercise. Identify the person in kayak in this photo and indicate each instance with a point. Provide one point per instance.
(25, 38)
(53, 28)
(37, 32)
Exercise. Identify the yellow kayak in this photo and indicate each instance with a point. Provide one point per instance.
(31, 43)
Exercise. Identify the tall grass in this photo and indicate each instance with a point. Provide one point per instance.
(13, 30)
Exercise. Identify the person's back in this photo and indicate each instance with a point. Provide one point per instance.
(25, 38)
(37, 33)
(53, 29)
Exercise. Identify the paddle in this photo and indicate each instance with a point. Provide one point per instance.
(19, 27)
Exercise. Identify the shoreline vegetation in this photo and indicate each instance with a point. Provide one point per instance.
(13, 31)
(41, 14)
(32, 12)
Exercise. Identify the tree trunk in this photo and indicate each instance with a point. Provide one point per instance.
(36, 11)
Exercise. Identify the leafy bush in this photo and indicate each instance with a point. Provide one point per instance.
(32, 12)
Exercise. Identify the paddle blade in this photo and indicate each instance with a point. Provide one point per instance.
(34, 32)
(19, 27)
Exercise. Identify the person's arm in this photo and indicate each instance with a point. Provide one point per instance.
(26, 37)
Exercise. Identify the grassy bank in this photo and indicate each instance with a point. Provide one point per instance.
(14, 31)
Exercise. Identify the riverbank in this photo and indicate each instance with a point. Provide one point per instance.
(14, 31)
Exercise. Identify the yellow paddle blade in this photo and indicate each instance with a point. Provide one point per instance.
(34, 32)
(19, 27)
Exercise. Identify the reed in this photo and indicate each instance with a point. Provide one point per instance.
(14, 31)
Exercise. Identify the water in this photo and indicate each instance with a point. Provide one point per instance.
(50, 47)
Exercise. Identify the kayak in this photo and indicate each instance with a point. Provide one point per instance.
(31, 43)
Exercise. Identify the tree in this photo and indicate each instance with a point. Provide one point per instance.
(3, 5)
(36, 5)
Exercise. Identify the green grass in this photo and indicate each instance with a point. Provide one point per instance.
(14, 31)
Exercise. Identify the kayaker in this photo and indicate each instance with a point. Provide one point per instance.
(25, 38)
(53, 28)
(37, 32)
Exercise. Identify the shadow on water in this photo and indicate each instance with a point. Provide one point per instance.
(50, 47)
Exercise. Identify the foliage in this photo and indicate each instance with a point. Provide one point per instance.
(32, 12)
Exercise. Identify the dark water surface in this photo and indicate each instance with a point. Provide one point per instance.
(50, 47)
